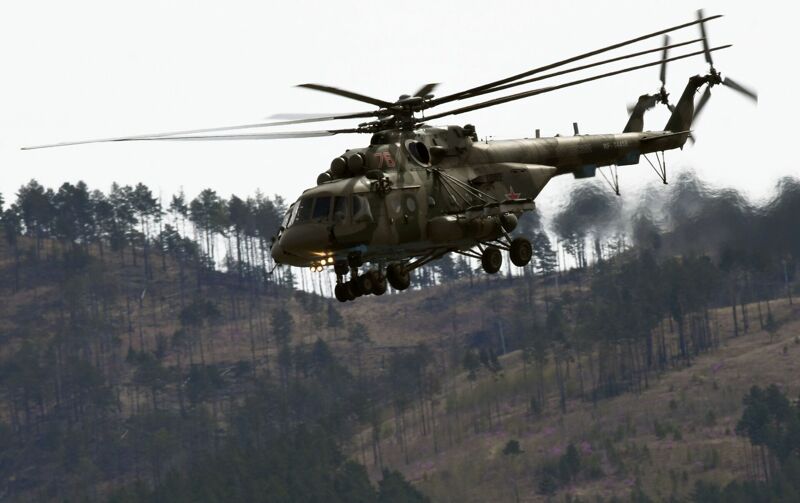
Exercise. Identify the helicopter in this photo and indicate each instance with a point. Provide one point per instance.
(419, 191)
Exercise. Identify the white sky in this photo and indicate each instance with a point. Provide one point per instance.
(93, 69)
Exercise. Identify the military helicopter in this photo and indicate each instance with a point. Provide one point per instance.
(418, 192)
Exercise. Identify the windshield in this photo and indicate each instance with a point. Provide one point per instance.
(322, 208)
(307, 209)
(287, 218)
(303, 213)
(339, 208)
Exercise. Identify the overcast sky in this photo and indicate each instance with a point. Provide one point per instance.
(93, 69)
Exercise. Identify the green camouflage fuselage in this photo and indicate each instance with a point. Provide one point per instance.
(452, 202)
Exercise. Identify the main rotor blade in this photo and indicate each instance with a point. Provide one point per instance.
(702, 103)
(347, 94)
(729, 82)
(313, 117)
(576, 69)
(534, 92)
(664, 56)
(705, 38)
(459, 95)
(426, 89)
(206, 130)
(251, 136)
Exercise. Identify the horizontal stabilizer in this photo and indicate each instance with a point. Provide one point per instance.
(662, 136)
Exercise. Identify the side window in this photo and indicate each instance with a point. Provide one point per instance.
(361, 211)
(304, 210)
(287, 218)
(339, 209)
(322, 208)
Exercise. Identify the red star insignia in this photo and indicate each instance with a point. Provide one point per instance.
(511, 194)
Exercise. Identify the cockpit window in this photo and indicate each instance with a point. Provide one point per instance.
(287, 218)
(304, 210)
(322, 208)
(339, 209)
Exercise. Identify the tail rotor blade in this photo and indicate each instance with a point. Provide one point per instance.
(729, 82)
(702, 103)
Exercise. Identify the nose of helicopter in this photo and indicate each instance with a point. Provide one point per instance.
(300, 245)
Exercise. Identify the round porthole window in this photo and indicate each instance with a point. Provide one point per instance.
(411, 204)
(419, 152)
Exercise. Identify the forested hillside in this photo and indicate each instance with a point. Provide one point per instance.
(148, 351)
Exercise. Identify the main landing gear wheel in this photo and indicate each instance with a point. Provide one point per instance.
(521, 252)
(365, 283)
(379, 284)
(344, 292)
(398, 276)
(491, 259)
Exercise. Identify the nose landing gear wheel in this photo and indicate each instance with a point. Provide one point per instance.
(521, 252)
(340, 292)
(379, 284)
(365, 283)
(354, 288)
(344, 292)
(491, 260)
(398, 277)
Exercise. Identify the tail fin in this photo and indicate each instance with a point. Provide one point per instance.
(683, 113)
(636, 121)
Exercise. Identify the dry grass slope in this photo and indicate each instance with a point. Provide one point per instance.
(677, 430)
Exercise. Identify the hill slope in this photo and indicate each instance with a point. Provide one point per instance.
(99, 353)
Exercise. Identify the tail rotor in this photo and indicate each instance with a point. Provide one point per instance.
(714, 77)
